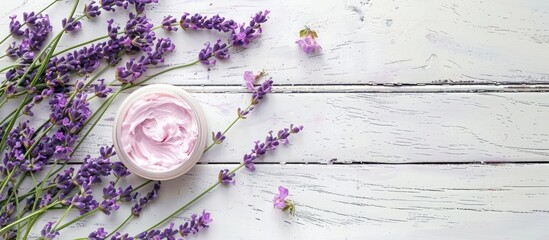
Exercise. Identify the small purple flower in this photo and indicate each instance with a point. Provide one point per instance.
(30, 18)
(308, 41)
(219, 50)
(98, 234)
(259, 92)
(15, 26)
(205, 54)
(132, 71)
(126, 195)
(225, 177)
(108, 205)
(110, 191)
(46, 232)
(242, 36)
(308, 44)
(140, 4)
(101, 90)
(119, 170)
(279, 201)
(72, 25)
(249, 80)
(218, 137)
(91, 10)
(193, 226)
(168, 22)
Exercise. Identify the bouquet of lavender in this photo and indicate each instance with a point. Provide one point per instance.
(38, 152)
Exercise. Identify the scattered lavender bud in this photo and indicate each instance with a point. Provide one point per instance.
(46, 232)
(98, 234)
(225, 177)
(218, 137)
(71, 25)
(270, 144)
(168, 22)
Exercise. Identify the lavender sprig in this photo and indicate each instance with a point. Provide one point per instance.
(192, 226)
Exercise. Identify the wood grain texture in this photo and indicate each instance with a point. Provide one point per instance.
(364, 42)
(356, 202)
(387, 128)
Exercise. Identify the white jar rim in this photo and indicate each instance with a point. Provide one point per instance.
(199, 145)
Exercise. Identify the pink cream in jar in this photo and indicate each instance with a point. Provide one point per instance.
(160, 132)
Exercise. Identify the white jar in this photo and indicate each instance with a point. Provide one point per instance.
(199, 144)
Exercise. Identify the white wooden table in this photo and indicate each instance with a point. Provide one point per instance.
(433, 112)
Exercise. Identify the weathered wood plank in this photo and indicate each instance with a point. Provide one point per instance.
(357, 202)
(375, 127)
(366, 42)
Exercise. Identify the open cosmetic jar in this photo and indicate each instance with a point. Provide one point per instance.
(159, 132)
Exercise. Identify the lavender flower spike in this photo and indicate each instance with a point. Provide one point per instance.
(270, 144)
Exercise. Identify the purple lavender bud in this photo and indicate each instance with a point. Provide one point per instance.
(98, 234)
(109, 5)
(220, 50)
(242, 36)
(205, 54)
(140, 4)
(64, 181)
(168, 22)
(120, 236)
(131, 71)
(79, 86)
(39, 32)
(27, 109)
(71, 25)
(205, 219)
(261, 91)
(126, 195)
(10, 90)
(112, 31)
(249, 161)
(225, 177)
(110, 191)
(29, 18)
(91, 10)
(15, 26)
(45, 201)
(218, 137)
(169, 232)
(119, 170)
(46, 232)
(195, 224)
(101, 89)
(108, 205)
(259, 18)
(163, 46)
(107, 152)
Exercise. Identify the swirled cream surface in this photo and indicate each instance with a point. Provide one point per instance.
(159, 132)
